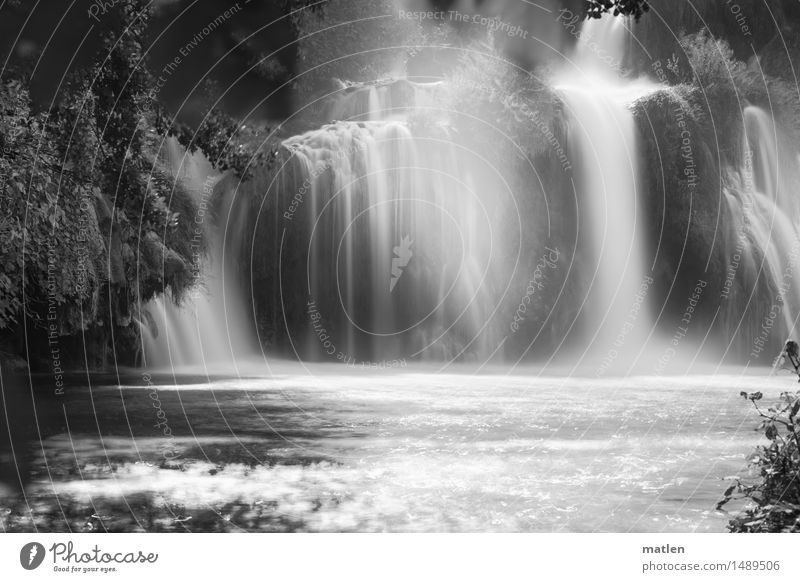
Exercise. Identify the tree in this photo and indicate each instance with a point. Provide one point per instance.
(773, 486)
(93, 224)
(635, 8)
(51, 245)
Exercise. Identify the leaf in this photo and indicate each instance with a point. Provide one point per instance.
(771, 432)
(794, 409)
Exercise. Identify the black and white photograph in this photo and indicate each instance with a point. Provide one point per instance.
(399, 267)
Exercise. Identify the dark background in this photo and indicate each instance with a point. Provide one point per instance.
(56, 38)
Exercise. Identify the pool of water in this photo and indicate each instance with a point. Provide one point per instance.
(401, 450)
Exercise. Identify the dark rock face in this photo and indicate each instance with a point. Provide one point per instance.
(704, 228)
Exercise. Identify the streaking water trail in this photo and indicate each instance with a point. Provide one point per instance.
(399, 253)
(603, 138)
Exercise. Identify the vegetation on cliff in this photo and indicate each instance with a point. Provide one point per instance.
(92, 223)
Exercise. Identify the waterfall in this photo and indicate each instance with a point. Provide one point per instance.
(761, 196)
(602, 138)
(385, 100)
(209, 327)
(399, 253)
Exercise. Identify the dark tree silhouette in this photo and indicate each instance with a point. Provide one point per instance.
(635, 8)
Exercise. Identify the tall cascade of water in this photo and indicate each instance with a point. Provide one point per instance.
(761, 197)
(209, 327)
(602, 138)
(399, 253)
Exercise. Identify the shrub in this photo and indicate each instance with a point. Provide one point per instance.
(772, 488)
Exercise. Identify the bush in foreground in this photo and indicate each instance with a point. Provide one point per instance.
(772, 488)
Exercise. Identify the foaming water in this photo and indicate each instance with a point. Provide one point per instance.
(408, 452)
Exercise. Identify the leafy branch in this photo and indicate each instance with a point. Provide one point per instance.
(773, 492)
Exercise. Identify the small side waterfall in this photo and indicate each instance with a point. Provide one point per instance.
(603, 139)
(761, 196)
(209, 328)
(187, 335)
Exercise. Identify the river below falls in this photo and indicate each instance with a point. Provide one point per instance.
(393, 451)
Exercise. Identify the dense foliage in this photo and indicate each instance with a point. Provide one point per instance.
(746, 25)
(635, 8)
(772, 489)
(93, 224)
(692, 134)
(44, 201)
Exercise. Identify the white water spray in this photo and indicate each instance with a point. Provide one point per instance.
(603, 137)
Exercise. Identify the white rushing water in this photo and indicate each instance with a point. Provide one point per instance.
(761, 196)
(603, 139)
(404, 237)
(209, 328)
(401, 242)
